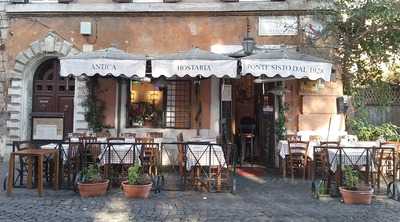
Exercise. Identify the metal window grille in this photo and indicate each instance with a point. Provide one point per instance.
(177, 112)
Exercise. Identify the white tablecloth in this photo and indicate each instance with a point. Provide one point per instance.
(199, 155)
(51, 146)
(351, 156)
(120, 154)
(283, 148)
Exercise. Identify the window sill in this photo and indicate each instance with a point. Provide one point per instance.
(115, 8)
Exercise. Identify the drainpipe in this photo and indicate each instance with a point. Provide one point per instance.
(118, 107)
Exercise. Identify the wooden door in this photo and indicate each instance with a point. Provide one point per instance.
(265, 111)
(53, 93)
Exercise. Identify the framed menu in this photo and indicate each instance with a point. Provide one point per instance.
(47, 126)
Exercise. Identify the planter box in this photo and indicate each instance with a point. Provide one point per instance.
(360, 196)
(93, 189)
(136, 191)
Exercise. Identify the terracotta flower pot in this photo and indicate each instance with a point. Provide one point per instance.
(362, 195)
(93, 189)
(136, 191)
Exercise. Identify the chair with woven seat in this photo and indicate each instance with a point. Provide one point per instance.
(384, 161)
(72, 163)
(181, 154)
(297, 157)
(321, 156)
(149, 155)
(91, 150)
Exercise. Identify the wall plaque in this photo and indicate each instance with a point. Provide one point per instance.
(277, 25)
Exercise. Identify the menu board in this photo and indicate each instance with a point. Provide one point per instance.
(47, 128)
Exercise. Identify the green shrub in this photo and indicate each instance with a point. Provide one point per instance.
(91, 174)
(367, 131)
(351, 178)
(136, 178)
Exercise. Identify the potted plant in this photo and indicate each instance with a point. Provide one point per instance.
(137, 185)
(91, 184)
(352, 192)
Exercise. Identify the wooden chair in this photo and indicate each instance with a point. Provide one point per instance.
(321, 159)
(149, 155)
(91, 151)
(154, 134)
(385, 166)
(72, 164)
(297, 157)
(181, 154)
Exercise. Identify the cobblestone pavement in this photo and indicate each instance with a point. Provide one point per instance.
(267, 199)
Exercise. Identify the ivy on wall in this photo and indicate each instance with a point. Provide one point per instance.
(94, 107)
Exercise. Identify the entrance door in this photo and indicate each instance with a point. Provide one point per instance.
(255, 101)
(265, 111)
(53, 93)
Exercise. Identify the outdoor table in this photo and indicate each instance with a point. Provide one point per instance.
(51, 146)
(205, 155)
(359, 154)
(199, 155)
(120, 153)
(40, 154)
(352, 154)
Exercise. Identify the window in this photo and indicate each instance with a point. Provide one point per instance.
(178, 112)
(154, 106)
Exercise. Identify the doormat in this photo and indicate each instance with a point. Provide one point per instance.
(251, 171)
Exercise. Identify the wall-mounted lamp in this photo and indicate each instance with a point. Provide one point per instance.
(248, 43)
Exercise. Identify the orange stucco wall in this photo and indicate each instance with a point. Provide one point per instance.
(150, 35)
(156, 34)
(107, 93)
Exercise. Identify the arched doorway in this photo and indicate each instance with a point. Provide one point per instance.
(53, 93)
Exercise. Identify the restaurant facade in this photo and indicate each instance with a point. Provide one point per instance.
(187, 68)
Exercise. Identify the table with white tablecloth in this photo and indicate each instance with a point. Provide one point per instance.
(120, 154)
(204, 155)
(351, 155)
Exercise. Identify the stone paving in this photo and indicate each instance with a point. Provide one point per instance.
(265, 199)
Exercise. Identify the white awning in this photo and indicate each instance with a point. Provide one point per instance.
(110, 61)
(194, 63)
(285, 64)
